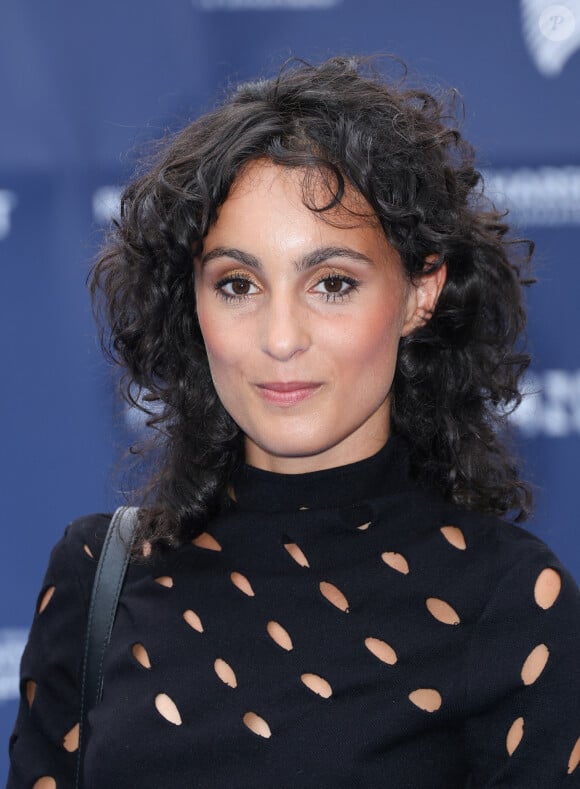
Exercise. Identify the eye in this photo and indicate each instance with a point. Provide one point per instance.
(235, 287)
(335, 286)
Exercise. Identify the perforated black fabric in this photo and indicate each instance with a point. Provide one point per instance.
(334, 629)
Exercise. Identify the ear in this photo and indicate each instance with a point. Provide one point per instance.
(423, 295)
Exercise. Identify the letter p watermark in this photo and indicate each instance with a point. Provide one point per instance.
(557, 22)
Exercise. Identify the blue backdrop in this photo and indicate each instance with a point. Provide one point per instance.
(82, 85)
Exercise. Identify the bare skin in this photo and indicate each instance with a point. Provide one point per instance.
(302, 317)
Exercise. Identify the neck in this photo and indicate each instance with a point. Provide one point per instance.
(346, 452)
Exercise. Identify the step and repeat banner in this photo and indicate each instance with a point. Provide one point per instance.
(83, 86)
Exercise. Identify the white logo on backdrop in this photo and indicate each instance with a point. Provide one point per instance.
(264, 5)
(106, 203)
(7, 204)
(551, 404)
(551, 32)
(540, 197)
(12, 643)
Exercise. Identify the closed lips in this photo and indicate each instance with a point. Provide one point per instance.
(291, 386)
(287, 393)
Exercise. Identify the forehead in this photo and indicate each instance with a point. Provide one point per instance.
(273, 213)
(312, 188)
(273, 210)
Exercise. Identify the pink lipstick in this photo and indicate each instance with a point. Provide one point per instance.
(287, 393)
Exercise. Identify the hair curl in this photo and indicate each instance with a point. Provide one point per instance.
(457, 376)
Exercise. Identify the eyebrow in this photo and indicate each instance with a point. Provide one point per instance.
(314, 258)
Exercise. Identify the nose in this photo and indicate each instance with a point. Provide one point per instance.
(285, 331)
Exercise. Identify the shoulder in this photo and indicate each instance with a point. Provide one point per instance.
(74, 558)
(520, 609)
(46, 729)
(500, 544)
(65, 593)
(509, 569)
(487, 543)
(483, 561)
(87, 532)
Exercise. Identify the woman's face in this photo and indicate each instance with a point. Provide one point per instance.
(301, 318)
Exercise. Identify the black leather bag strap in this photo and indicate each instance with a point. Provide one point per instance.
(107, 586)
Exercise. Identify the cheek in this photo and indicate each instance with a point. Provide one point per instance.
(223, 367)
(219, 351)
(218, 339)
(214, 329)
(223, 364)
(374, 340)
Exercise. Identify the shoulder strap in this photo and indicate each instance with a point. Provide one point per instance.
(107, 586)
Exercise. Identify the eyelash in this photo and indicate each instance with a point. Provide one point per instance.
(328, 296)
(219, 288)
(352, 286)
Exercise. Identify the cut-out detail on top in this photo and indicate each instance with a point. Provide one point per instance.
(193, 620)
(442, 611)
(396, 561)
(165, 580)
(242, 583)
(257, 725)
(381, 650)
(364, 526)
(225, 672)
(334, 596)
(46, 782)
(317, 684)
(534, 664)
(167, 708)
(574, 759)
(141, 655)
(514, 735)
(427, 699)
(30, 689)
(547, 588)
(297, 554)
(88, 551)
(280, 635)
(207, 541)
(71, 739)
(46, 598)
(454, 537)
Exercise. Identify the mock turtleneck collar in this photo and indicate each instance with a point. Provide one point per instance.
(265, 491)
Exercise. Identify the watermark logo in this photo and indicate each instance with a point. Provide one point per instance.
(557, 23)
(551, 32)
(12, 643)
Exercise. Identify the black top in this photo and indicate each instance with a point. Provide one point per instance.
(334, 629)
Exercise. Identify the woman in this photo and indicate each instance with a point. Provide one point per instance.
(309, 287)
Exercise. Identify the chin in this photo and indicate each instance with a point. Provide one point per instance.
(294, 454)
(294, 449)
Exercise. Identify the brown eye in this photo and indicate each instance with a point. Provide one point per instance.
(240, 287)
(236, 287)
(333, 285)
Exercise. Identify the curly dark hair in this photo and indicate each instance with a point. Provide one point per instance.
(457, 376)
